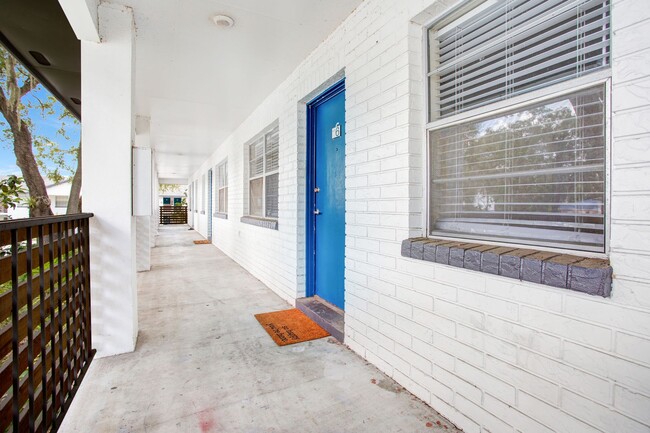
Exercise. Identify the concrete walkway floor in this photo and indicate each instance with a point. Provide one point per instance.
(204, 364)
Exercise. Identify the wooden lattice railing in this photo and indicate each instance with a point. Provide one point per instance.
(45, 336)
(173, 214)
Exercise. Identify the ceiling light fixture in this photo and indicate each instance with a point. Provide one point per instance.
(223, 21)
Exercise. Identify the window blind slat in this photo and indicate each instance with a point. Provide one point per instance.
(531, 74)
(531, 147)
(475, 41)
(516, 47)
(272, 150)
(493, 64)
(571, 169)
(517, 31)
(530, 223)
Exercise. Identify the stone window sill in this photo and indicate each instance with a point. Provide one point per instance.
(221, 215)
(581, 274)
(202, 212)
(260, 222)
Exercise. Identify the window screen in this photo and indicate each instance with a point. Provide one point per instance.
(512, 47)
(536, 175)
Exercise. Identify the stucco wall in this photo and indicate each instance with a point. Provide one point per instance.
(490, 353)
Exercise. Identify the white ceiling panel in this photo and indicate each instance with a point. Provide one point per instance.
(197, 82)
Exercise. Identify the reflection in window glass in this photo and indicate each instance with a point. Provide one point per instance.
(536, 175)
(256, 194)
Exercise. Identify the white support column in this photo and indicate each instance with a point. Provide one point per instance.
(83, 17)
(155, 206)
(107, 87)
(142, 192)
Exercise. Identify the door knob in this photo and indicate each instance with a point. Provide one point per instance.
(317, 212)
(317, 189)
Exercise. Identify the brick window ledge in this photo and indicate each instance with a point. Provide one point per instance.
(222, 215)
(581, 274)
(260, 222)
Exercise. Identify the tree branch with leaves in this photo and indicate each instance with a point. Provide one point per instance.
(34, 152)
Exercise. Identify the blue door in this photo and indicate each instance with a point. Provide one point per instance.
(326, 195)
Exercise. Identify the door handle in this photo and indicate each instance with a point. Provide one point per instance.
(317, 212)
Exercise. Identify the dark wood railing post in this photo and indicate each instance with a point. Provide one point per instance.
(53, 347)
(30, 330)
(15, 373)
(42, 294)
(50, 345)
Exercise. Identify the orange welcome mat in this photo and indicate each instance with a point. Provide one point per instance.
(290, 326)
(202, 241)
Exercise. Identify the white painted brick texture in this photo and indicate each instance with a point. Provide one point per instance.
(492, 354)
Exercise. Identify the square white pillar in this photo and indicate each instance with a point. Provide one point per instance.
(107, 87)
(142, 198)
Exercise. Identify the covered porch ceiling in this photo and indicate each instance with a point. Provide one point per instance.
(195, 81)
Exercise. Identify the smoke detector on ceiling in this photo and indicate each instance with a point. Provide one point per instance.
(223, 21)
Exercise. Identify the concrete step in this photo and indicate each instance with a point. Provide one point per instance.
(328, 316)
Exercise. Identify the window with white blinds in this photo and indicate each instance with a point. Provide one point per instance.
(61, 201)
(222, 187)
(263, 165)
(534, 174)
(512, 47)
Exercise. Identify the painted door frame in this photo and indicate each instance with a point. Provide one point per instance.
(209, 207)
(310, 228)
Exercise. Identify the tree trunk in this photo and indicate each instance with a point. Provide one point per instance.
(74, 202)
(39, 204)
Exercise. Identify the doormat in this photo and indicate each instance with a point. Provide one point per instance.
(290, 327)
(202, 241)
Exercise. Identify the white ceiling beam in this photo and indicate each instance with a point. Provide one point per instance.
(82, 15)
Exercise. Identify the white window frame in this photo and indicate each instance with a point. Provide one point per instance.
(204, 192)
(467, 9)
(264, 173)
(222, 186)
(58, 199)
(189, 197)
(196, 207)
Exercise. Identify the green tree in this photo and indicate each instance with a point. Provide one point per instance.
(11, 188)
(32, 151)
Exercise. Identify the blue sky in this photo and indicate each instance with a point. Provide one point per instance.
(46, 126)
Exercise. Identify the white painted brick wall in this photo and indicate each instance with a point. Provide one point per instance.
(492, 354)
